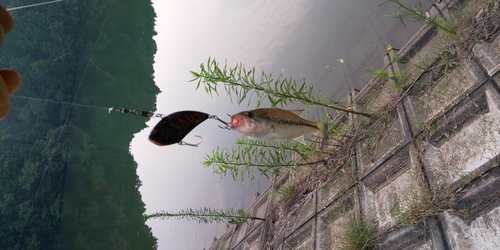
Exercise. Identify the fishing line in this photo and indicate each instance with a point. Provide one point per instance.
(63, 127)
(33, 5)
(60, 102)
(110, 109)
(170, 130)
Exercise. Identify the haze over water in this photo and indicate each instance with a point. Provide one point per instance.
(328, 43)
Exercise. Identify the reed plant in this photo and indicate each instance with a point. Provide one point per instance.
(263, 157)
(241, 85)
(206, 215)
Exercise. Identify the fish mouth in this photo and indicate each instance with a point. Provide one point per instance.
(242, 123)
(237, 120)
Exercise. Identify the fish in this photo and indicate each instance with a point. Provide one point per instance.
(275, 124)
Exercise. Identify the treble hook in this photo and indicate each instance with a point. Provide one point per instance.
(183, 143)
(228, 126)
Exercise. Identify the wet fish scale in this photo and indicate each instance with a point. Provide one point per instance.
(292, 123)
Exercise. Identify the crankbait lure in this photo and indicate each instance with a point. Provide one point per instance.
(174, 127)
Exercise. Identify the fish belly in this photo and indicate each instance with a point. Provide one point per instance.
(287, 133)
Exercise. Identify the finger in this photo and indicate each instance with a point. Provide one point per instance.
(4, 99)
(6, 20)
(1, 35)
(11, 78)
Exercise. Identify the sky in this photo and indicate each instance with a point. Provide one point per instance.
(300, 38)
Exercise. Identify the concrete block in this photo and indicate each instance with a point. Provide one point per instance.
(496, 79)
(259, 209)
(461, 115)
(273, 235)
(481, 193)
(386, 136)
(388, 171)
(433, 11)
(306, 211)
(224, 241)
(341, 182)
(433, 97)
(418, 44)
(239, 234)
(425, 235)
(479, 233)
(253, 241)
(377, 94)
(399, 181)
(442, 5)
(303, 238)
(332, 222)
(468, 149)
(277, 182)
(405, 238)
(488, 54)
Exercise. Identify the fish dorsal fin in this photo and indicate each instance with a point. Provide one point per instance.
(297, 111)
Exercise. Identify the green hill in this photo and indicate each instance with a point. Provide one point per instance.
(67, 179)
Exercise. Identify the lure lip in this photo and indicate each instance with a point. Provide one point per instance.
(180, 143)
(155, 140)
(157, 143)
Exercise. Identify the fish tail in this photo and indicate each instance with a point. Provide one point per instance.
(322, 130)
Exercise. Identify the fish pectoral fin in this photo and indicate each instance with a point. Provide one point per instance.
(272, 130)
(300, 139)
(297, 111)
(263, 132)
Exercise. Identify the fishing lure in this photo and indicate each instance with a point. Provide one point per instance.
(174, 127)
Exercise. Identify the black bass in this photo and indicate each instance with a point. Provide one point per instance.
(275, 124)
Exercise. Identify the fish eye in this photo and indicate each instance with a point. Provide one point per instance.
(250, 114)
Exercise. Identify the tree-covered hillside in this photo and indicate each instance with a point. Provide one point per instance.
(67, 179)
